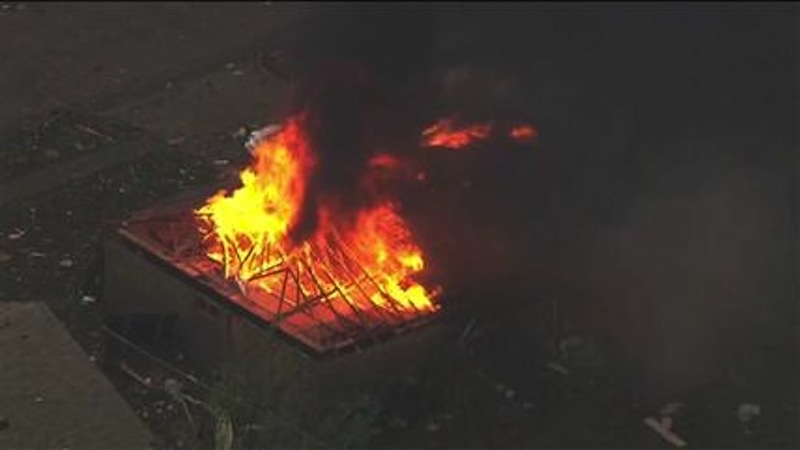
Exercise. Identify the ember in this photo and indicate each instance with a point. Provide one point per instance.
(446, 134)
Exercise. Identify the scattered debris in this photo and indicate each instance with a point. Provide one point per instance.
(51, 153)
(38, 400)
(89, 130)
(4, 257)
(221, 162)
(239, 133)
(237, 73)
(88, 299)
(176, 140)
(432, 427)
(66, 263)
(467, 331)
(18, 233)
(36, 254)
(230, 66)
(558, 367)
(664, 429)
(747, 411)
(663, 426)
(173, 387)
(147, 382)
(510, 394)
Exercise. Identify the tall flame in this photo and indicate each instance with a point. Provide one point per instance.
(259, 214)
(246, 232)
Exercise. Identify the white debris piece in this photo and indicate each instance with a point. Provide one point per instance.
(256, 137)
(18, 233)
(747, 411)
(664, 429)
(558, 367)
(88, 299)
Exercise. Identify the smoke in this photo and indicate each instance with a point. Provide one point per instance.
(369, 78)
(357, 80)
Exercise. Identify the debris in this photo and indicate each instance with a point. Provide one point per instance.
(747, 411)
(173, 387)
(176, 140)
(221, 162)
(88, 299)
(147, 382)
(37, 254)
(259, 135)
(240, 133)
(467, 331)
(89, 130)
(66, 263)
(432, 427)
(18, 233)
(509, 393)
(664, 429)
(237, 73)
(38, 400)
(51, 153)
(4, 257)
(558, 367)
(230, 66)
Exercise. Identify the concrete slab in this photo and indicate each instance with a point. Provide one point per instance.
(51, 395)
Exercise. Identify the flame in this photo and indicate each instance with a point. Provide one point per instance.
(523, 133)
(444, 133)
(385, 248)
(259, 214)
(246, 232)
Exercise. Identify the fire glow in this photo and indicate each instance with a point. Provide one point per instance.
(364, 267)
(445, 133)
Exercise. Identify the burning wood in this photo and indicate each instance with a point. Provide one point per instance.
(372, 261)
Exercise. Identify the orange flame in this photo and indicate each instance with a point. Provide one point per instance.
(523, 133)
(246, 233)
(445, 134)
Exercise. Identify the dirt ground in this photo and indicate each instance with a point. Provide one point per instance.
(659, 213)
